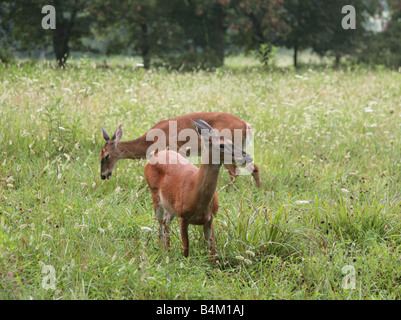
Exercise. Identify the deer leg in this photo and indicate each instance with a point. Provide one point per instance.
(232, 170)
(254, 170)
(256, 176)
(160, 214)
(209, 237)
(184, 236)
(167, 218)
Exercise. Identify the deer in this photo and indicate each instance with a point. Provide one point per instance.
(180, 189)
(114, 149)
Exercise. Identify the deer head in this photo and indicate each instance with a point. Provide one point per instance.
(109, 154)
(222, 150)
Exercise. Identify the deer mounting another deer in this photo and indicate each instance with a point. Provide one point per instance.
(114, 149)
(179, 189)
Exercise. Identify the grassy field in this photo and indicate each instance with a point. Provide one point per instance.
(327, 143)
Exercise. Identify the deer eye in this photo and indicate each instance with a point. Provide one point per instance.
(107, 156)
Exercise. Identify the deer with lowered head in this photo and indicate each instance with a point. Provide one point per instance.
(114, 149)
(179, 189)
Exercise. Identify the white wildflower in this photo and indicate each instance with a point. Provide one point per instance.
(302, 201)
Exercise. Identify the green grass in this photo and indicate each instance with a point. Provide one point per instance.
(327, 143)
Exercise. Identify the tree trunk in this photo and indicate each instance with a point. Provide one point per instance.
(337, 61)
(257, 34)
(60, 46)
(218, 34)
(61, 35)
(145, 47)
(296, 55)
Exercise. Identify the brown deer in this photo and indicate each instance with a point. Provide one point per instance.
(179, 189)
(226, 123)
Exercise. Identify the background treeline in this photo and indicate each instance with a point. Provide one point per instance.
(200, 33)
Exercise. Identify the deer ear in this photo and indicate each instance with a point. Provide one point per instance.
(117, 135)
(205, 124)
(204, 129)
(105, 135)
(201, 130)
(197, 129)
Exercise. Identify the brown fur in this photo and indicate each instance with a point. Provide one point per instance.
(179, 189)
(136, 149)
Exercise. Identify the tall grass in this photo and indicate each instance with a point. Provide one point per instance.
(327, 143)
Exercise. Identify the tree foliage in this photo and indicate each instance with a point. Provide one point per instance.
(385, 47)
(331, 39)
(197, 33)
(254, 23)
(25, 19)
(302, 19)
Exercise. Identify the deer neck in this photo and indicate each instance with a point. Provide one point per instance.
(134, 149)
(207, 178)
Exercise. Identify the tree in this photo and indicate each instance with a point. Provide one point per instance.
(137, 26)
(256, 23)
(384, 47)
(183, 33)
(5, 34)
(302, 18)
(203, 25)
(71, 24)
(331, 39)
(23, 20)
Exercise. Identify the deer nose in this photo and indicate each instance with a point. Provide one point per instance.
(103, 176)
(248, 159)
(245, 159)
